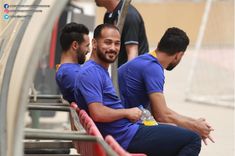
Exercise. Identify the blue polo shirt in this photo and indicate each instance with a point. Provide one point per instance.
(65, 78)
(93, 84)
(138, 78)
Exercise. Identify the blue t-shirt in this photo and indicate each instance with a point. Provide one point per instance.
(138, 78)
(93, 84)
(65, 78)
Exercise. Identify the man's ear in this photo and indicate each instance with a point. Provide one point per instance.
(179, 55)
(74, 45)
(94, 44)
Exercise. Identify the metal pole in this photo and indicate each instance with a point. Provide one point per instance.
(23, 71)
(46, 97)
(49, 108)
(198, 45)
(56, 135)
(61, 135)
(48, 104)
(4, 85)
(35, 115)
(120, 24)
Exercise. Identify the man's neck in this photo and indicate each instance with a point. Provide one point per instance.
(98, 61)
(67, 57)
(112, 5)
(163, 58)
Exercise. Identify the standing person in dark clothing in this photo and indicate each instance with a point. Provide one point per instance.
(133, 39)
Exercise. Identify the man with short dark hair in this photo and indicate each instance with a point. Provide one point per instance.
(74, 41)
(134, 40)
(94, 92)
(141, 82)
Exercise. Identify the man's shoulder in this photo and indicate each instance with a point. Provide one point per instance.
(91, 74)
(138, 63)
(133, 13)
(90, 69)
(68, 67)
(144, 58)
(146, 62)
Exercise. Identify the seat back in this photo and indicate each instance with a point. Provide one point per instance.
(74, 119)
(115, 146)
(89, 124)
(91, 129)
(80, 120)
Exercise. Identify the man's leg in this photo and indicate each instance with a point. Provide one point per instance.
(165, 140)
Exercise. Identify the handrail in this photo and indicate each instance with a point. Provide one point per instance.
(61, 135)
(49, 108)
(30, 50)
(46, 96)
(47, 144)
(48, 104)
(120, 24)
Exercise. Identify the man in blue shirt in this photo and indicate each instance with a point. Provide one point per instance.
(141, 82)
(94, 92)
(75, 42)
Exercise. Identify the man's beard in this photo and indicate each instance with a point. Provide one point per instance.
(171, 66)
(102, 56)
(81, 57)
(81, 61)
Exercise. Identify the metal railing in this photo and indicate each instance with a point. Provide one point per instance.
(120, 24)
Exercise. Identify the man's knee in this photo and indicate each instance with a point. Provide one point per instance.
(196, 141)
(197, 138)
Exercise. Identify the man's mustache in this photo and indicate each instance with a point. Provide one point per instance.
(111, 51)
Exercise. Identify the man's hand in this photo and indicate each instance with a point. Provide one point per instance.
(204, 129)
(101, 113)
(133, 114)
(210, 138)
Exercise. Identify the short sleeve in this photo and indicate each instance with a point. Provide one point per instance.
(68, 79)
(90, 85)
(65, 79)
(154, 79)
(131, 29)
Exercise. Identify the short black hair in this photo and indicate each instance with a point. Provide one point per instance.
(99, 28)
(72, 32)
(174, 40)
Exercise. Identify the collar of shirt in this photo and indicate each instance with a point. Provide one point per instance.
(112, 17)
(153, 53)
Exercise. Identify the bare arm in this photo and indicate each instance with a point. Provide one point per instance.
(132, 51)
(164, 114)
(101, 113)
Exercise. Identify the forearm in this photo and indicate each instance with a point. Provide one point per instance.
(105, 114)
(162, 113)
(131, 55)
(132, 51)
(181, 120)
